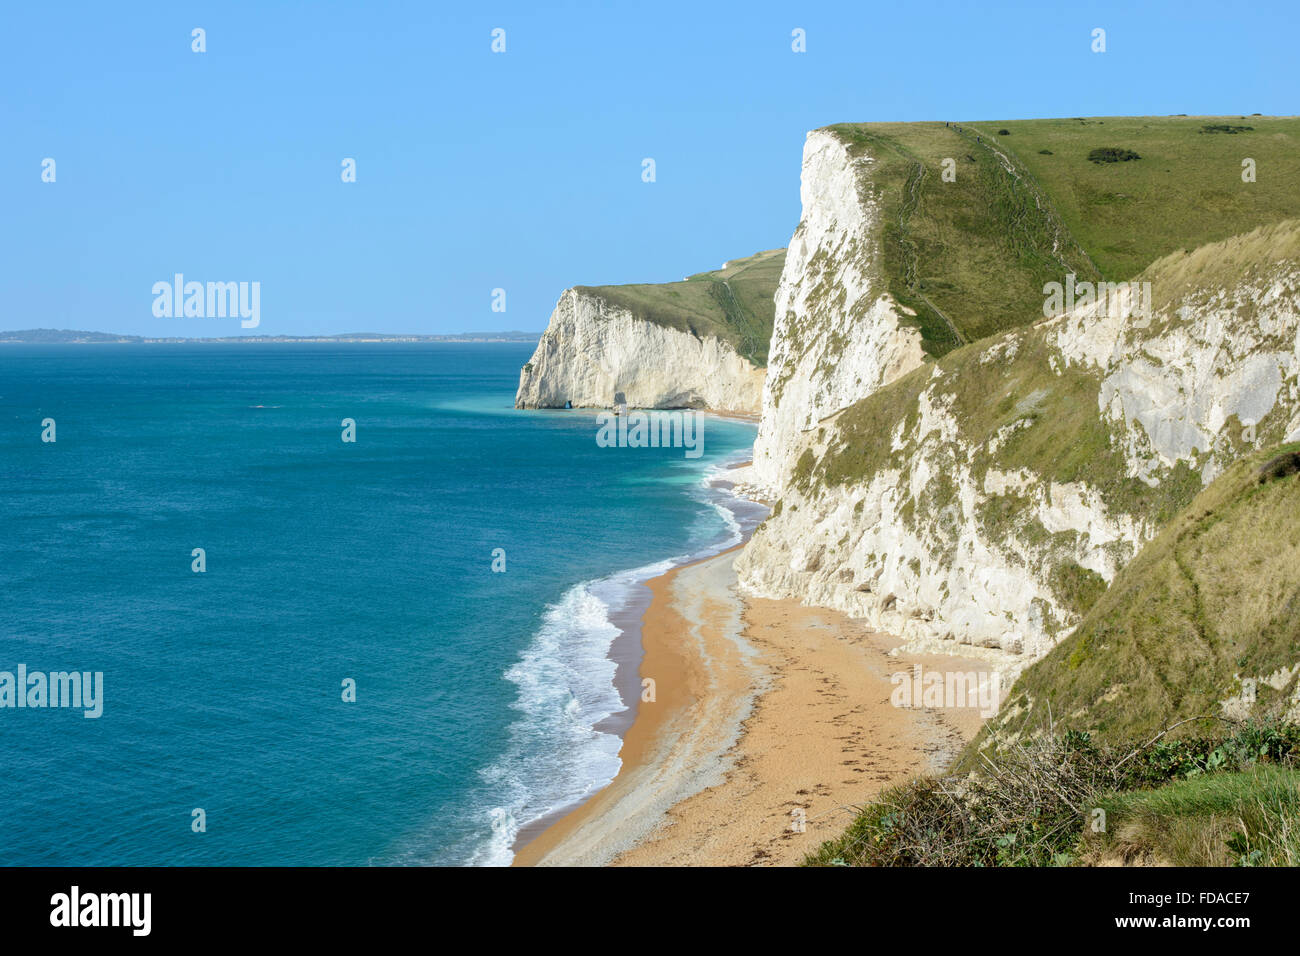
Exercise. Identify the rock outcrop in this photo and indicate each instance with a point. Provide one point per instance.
(1202, 621)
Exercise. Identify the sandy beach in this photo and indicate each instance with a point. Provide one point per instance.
(770, 722)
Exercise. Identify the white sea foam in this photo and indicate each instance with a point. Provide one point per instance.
(735, 534)
(565, 682)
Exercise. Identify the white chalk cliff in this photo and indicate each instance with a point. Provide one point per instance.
(951, 513)
(592, 351)
(838, 335)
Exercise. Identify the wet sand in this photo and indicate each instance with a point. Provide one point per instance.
(770, 722)
(702, 672)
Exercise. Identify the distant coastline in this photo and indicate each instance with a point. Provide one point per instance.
(75, 337)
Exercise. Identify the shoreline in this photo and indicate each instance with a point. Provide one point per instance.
(629, 616)
(667, 731)
(626, 653)
(763, 708)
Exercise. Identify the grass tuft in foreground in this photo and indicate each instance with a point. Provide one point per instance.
(1251, 818)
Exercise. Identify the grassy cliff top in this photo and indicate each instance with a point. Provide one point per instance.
(1184, 190)
(1031, 200)
(734, 303)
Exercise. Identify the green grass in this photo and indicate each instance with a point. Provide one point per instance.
(1185, 190)
(1078, 587)
(735, 304)
(970, 257)
(1222, 264)
(1250, 818)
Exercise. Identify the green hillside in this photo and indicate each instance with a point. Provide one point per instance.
(1028, 205)
(1213, 600)
(734, 303)
(1227, 799)
(1246, 818)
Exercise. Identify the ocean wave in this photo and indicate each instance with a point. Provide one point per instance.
(565, 689)
(735, 533)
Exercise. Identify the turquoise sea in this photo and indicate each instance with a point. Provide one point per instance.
(478, 693)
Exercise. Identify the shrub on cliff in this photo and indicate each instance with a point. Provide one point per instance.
(1112, 154)
(1052, 800)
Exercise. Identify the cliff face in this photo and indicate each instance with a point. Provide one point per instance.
(986, 499)
(592, 350)
(838, 335)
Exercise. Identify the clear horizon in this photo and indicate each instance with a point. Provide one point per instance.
(520, 171)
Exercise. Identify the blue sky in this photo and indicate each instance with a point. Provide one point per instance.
(520, 170)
